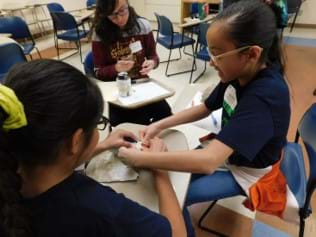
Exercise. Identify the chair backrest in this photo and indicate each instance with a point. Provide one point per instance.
(203, 27)
(307, 131)
(293, 168)
(10, 54)
(15, 26)
(90, 3)
(89, 65)
(293, 5)
(165, 27)
(63, 21)
(55, 7)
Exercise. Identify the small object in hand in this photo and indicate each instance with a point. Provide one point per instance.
(139, 146)
(129, 139)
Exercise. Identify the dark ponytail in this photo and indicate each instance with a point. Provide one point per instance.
(58, 99)
(252, 22)
(14, 218)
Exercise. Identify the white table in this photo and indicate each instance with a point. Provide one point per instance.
(7, 35)
(7, 40)
(189, 22)
(142, 190)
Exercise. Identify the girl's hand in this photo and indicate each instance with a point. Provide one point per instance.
(156, 145)
(117, 139)
(149, 133)
(124, 65)
(132, 156)
(147, 66)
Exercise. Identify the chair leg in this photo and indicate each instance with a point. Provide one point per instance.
(294, 20)
(202, 73)
(31, 56)
(38, 52)
(214, 232)
(80, 52)
(194, 59)
(172, 60)
(302, 227)
(57, 48)
(168, 62)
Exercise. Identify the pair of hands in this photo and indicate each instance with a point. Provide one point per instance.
(117, 139)
(128, 64)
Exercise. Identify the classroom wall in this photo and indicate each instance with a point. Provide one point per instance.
(307, 14)
(68, 4)
(169, 8)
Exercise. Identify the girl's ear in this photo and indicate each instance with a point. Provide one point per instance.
(254, 53)
(76, 142)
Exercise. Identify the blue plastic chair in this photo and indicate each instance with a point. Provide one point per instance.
(307, 132)
(66, 28)
(88, 65)
(91, 3)
(19, 30)
(10, 54)
(201, 51)
(171, 40)
(293, 168)
(55, 7)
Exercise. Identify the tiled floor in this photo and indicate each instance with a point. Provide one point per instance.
(230, 217)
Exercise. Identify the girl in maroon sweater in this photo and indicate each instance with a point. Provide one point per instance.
(124, 42)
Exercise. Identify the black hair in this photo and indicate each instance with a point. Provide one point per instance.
(58, 99)
(252, 22)
(106, 29)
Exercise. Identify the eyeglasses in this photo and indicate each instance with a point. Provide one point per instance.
(218, 58)
(102, 124)
(122, 12)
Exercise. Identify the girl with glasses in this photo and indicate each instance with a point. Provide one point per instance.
(124, 42)
(245, 51)
(50, 114)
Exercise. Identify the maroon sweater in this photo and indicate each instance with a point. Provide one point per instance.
(106, 56)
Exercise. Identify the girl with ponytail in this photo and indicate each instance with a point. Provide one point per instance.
(49, 112)
(245, 51)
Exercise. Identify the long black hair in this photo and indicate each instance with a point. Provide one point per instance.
(252, 22)
(106, 29)
(58, 99)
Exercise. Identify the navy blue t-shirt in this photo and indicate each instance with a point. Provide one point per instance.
(79, 206)
(255, 118)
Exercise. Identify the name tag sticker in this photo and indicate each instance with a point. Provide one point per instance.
(136, 46)
(230, 97)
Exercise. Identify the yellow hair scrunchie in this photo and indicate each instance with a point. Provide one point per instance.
(13, 107)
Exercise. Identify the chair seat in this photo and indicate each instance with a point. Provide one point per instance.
(72, 35)
(177, 41)
(203, 54)
(27, 48)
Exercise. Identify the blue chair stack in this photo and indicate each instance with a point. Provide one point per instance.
(19, 30)
(10, 54)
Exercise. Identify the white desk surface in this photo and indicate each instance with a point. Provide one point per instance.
(193, 22)
(109, 92)
(142, 190)
(7, 35)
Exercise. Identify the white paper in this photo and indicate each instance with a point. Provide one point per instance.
(106, 168)
(143, 92)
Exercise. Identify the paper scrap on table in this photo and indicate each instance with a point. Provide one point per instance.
(106, 168)
(143, 92)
